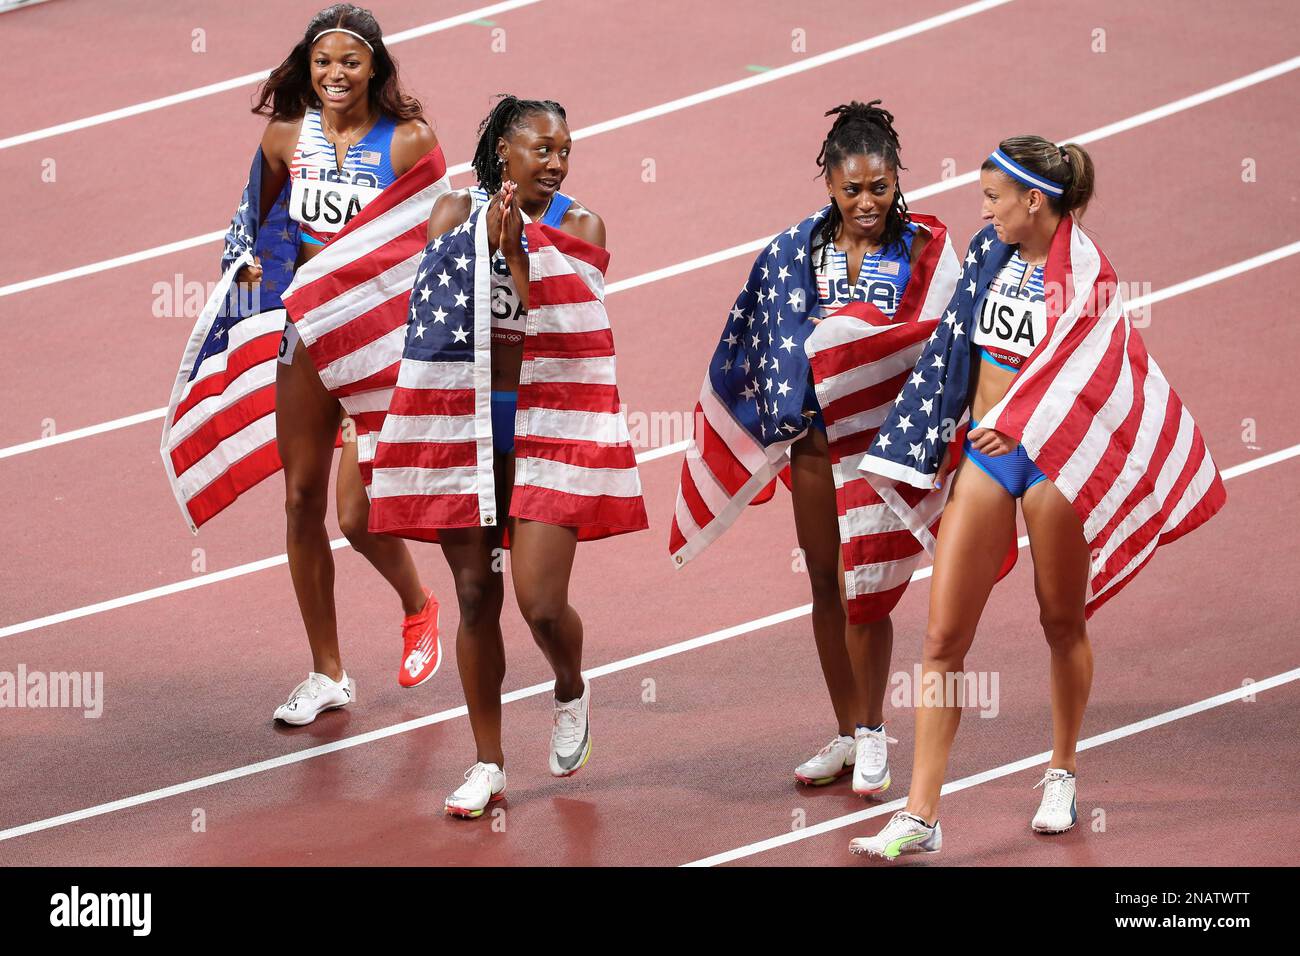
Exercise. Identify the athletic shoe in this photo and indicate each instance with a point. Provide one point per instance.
(1056, 813)
(904, 833)
(828, 764)
(314, 695)
(871, 761)
(571, 734)
(422, 647)
(484, 783)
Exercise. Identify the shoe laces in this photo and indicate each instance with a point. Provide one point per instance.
(473, 771)
(901, 821)
(567, 726)
(413, 627)
(1054, 793)
(825, 751)
(311, 687)
(875, 741)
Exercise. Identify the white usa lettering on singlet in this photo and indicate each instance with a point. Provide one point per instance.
(1012, 313)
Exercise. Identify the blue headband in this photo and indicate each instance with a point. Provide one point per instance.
(1018, 172)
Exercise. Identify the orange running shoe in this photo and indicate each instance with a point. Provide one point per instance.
(422, 647)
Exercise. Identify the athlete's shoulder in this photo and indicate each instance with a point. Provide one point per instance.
(584, 223)
(414, 134)
(449, 211)
(281, 137)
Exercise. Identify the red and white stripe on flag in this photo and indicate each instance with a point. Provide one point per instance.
(219, 431)
(859, 367)
(1096, 414)
(574, 462)
(859, 361)
(350, 302)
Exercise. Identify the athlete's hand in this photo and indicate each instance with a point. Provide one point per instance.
(494, 217)
(250, 274)
(986, 441)
(512, 223)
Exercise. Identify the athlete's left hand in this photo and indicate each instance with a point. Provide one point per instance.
(986, 441)
(512, 223)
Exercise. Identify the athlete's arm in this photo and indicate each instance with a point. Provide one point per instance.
(449, 211)
(277, 146)
(411, 140)
(919, 243)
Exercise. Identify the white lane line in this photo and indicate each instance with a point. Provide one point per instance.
(618, 122)
(536, 690)
(216, 577)
(1006, 770)
(652, 454)
(235, 83)
(1188, 285)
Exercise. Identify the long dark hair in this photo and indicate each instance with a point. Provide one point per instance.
(287, 93)
(862, 129)
(508, 113)
(1070, 166)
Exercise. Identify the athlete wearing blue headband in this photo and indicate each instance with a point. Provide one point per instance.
(1029, 186)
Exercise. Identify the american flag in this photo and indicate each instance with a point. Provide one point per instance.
(752, 402)
(350, 302)
(219, 432)
(861, 362)
(574, 463)
(1090, 406)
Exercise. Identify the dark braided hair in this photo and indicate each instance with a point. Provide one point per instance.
(862, 129)
(508, 114)
(287, 93)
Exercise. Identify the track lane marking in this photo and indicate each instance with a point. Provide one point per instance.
(652, 454)
(1005, 770)
(618, 122)
(536, 690)
(234, 83)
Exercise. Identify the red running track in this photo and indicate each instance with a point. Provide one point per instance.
(704, 768)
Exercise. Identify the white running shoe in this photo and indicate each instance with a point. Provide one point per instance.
(871, 761)
(828, 764)
(1056, 813)
(484, 783)
(904, 833)
(571, 734)
(314, 695)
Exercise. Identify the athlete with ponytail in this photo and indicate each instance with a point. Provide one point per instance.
(1055, 380)
(341, 129)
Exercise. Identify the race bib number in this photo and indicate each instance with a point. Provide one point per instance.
(326, 207)
(1010, 324)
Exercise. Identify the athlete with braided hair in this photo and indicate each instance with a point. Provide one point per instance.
(864, 250)
(521, 160)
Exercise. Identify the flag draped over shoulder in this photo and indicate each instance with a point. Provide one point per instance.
(1090, 406)
(751, 406)
(350, 302)
(574, 463)
(219, 431)
(861, 360)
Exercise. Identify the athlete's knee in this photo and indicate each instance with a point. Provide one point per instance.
(1064, 630)
(946, 645)
(353, 521)
(825, 583)
(305, 504)
(544, 615)
(478, 595)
